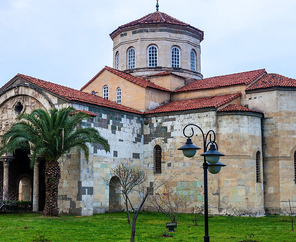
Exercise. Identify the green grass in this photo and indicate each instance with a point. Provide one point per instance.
(150, 226)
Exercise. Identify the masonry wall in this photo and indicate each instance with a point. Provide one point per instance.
(185, 174)
(239, 137)
(124, 134)
(279, 125)
(164, 38)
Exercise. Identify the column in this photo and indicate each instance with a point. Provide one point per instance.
(6, 179)
(36, 188)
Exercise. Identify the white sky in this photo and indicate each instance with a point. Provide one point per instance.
(67, 41)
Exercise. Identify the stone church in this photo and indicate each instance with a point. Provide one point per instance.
(141, 106)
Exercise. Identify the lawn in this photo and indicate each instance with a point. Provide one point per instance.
(150, 227)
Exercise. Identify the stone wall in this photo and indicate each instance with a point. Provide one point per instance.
(279, 125)
(164, 38)
(239, 135)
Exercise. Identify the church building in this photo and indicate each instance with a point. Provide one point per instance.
(141, 105)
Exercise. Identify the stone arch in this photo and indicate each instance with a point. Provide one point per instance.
(115, 198)
(25, 188)
(22, 90)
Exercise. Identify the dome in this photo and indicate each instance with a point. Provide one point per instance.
(157, 43)
(157, 19)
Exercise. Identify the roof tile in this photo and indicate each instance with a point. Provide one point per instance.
(272, 80)
(158, 18)
(75, 95)
(237, 108)
(136, 80)
(221, 81)
(197, 103)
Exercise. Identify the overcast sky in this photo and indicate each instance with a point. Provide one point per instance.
(67, 41)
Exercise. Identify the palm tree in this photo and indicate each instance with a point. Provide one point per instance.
(49, 136)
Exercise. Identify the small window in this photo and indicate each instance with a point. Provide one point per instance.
(175, 57)
(152, 56)
(131, 58)
(157, 159)
(18, 108)
(118, 95)
(295, 167)
(193, 60)
(117, 61)
(106, 92)
(258, 167)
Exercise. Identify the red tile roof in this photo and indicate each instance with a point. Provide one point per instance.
(197, 103)
(237, 108)
(158, 18)
(272, 80)
(221, 81)
(136, 80)
(84, 111)
(73, 95)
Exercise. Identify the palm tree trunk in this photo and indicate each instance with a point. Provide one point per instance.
(52, 177)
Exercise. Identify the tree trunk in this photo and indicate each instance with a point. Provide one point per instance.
(127, 210)
(52, 177)
(133, 234)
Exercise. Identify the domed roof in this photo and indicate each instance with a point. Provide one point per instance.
(157, 18)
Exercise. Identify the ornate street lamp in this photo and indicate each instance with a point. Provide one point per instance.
(211, 162)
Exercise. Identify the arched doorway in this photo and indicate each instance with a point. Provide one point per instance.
(115, 198)
(21, 179)
(25, 189)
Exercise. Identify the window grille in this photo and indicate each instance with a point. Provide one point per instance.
(157, 159)
(131, 61)
(106, 92)
(152, 56)
(117, 61)
(258, 167)
(118, 95)
(192, 60)
(175, 57)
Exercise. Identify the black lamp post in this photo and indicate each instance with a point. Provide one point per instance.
(211, 162)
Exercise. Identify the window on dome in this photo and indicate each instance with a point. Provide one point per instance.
(175, 57)
(193, 60)
(106, 92)
(118, 95)
(131, 58)
(117, 61)
(258, 167)
(157, 159)
(152, 56)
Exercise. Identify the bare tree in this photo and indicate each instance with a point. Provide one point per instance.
(132, 179)
(129, 178)
(167, 201)
(292, 215)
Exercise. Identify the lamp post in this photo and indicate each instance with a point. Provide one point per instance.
(211, 162)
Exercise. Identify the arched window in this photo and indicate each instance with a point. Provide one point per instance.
(157, 159)
(175, 57)
(106, 92)
(117, 61)
(258, 167)
(295, 167)
(192, 60)
(152, 56)
(118, 95)
(131, 58)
